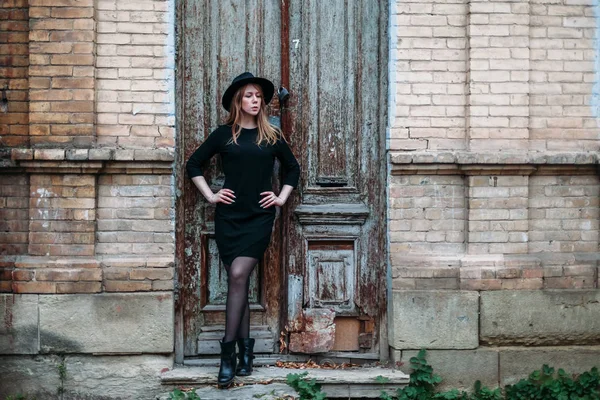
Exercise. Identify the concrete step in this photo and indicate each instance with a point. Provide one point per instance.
(359, 382)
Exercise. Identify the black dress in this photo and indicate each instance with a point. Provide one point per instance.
(243, 228)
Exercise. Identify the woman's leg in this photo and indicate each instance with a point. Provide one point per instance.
(237, 297)
(244, 328)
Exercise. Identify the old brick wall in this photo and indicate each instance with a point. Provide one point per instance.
(14, 60)
(494, 185)
(87, 137)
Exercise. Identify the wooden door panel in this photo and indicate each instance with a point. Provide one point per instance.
(214, 279)
(218, 41)
(335, 253)
(329, 100)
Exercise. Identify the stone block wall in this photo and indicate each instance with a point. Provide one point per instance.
(87, 137)
(494, 127)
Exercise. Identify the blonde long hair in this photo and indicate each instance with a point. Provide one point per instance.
(266, 132)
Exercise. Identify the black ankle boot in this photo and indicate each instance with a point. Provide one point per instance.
(228, 361)
(246, 356)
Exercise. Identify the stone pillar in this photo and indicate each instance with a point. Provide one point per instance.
(61, 72)
(499, 75)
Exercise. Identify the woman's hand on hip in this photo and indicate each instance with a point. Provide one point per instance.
(224, 196)
(270, 199)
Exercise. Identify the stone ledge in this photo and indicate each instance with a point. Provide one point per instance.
(353, 382)
(98, 154)
(55, 262)
(532, 260)
(471, 158)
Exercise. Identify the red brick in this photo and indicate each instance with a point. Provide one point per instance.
(162, 285)
(78, 287)
(5, 287)
(51, 47)
(39, 12)
(72, 250)
(72, 106)
(22, 275)
(79, 59)
(533, 273)
(127, 286)
(80, 118)
(481, 284)
(13, 3)
(34, 287)
(116, 274)
(579, 270)
(522, 284)
(569, 282)
(51, 24)
(69, 275)
(37, 130)
(67, 12)
(62, 3)
(71, 36)
(83, 48)
(6, 274)
(73, 83)
(72, 130)
(13, 237)
(151, 273)
(37, 95)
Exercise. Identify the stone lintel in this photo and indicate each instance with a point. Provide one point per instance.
(488, 163)
(536, 260)
(56, 262)
(102, 154)
(490, 158)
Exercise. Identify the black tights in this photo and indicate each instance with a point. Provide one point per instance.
(237, 318)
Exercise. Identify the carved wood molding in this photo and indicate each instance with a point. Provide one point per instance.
(332, 214)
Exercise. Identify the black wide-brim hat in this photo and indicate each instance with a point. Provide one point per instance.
(241, 80)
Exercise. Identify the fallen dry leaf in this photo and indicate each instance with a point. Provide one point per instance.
(311, 364)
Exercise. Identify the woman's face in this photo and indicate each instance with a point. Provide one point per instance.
(251, 100)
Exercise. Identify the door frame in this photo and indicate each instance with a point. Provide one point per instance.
(181, 280)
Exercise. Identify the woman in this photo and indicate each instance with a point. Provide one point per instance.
(245, 210)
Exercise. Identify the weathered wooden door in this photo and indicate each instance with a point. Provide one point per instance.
(218, 40)
(335, 230)
(326, 262)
